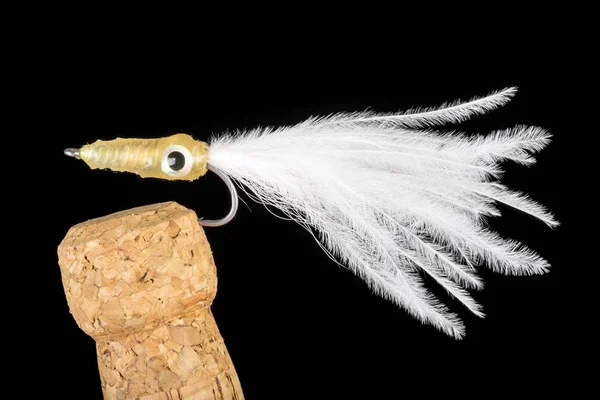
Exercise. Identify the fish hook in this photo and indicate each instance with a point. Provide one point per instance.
(72, 152)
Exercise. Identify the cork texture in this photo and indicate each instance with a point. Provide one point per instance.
(141, 282)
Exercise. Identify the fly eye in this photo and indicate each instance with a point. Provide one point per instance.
(177, 161)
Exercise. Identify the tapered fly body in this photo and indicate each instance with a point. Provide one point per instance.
(177, 157)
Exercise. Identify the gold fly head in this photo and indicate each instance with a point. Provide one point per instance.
(177, 157)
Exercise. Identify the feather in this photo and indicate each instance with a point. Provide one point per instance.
(392, 202)
(423, 117)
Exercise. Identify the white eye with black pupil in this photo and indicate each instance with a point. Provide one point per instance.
(177, 161)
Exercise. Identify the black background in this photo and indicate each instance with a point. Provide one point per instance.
(293, 320)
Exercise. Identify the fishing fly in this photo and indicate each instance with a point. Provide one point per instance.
(386, 195)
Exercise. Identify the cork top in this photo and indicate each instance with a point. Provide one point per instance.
(132, 270)
(139, 217)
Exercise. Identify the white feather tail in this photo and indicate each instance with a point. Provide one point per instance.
(390, 202)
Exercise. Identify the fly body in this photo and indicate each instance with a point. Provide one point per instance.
(177, 157)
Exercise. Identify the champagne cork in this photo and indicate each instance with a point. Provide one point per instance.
(140, 282)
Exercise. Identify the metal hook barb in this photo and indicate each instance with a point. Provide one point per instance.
(234, 201)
